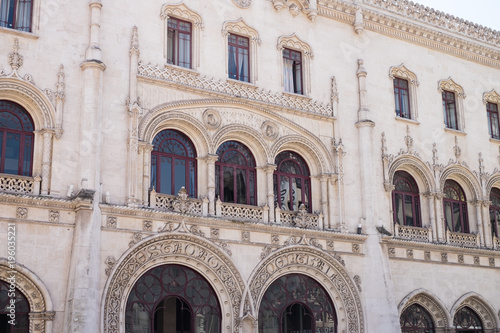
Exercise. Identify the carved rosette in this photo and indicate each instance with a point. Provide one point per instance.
(174, 248)
(242, 3)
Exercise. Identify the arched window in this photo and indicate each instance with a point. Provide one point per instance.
(292, 182)
(22, 310)
(16, 139)
(173, 163)
(467, 321)
(415, 319)
(405, 200)
(495, 211)
(235, 174)
(172, 297)
(455, 207)
(296, 303)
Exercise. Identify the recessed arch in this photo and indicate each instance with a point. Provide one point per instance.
(417, 168)
(318, 265)
(430, 303)
(482, 308)
(465, 178)
(35, 291)
(181, 248)
(493, 181)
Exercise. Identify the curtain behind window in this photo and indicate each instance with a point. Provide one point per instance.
(288, 75)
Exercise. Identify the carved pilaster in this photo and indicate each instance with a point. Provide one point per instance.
(324, 198)
(146, 149)
(46, 160)
(440, 227)
(361, 73)
(211, 159)
(432, 213)
(269, 170)
(133, 154)
(479, 221)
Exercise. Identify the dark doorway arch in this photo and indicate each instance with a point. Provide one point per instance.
(415, 319)
(21, 310)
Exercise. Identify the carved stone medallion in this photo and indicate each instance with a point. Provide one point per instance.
(242, 3)
(211, 118)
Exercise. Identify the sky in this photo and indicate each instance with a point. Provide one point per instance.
(483, 12)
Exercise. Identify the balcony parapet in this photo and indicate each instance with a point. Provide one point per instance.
(20, 184)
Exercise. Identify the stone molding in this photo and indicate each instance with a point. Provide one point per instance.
(491, 96)
(228, 90)
(430, 303)
(295, 43)
(460, 40)
(320, 266)
(480, 306)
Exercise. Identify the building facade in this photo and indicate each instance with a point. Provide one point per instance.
(248, 166)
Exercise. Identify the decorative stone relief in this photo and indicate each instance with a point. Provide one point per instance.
(275, 239)
(110, 264)
(492, 262)
(409, 253)
(22, 213)
(245, 236)
(357, 280)
(450, 85)
(330, 245)
(339, 259)
(214, 233)
(491, 96)
(314, 242)
(241, 28)
(460, 258)
(444, 257)
(212, 119)
(183, 12)
(476, 260)
(167, 227)
(136, 238)
(242, 3)
(302, 219)
(111, 222)
(404, 73)
(225, 246)
(356, 248)
(54, 216)
(437, 312)
(177, 247)
(392, 252)
(147, 225)
(296, 7)
(427, 255)
(457, 150)
(486, 315)
(182, 204)
(195, 230)
(270, 130)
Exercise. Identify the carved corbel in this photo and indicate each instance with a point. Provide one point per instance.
(359, 24)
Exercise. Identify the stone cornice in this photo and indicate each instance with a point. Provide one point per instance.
(36, 201)
(451, 36)
(149, 213)
(441, 247)
(227, 90)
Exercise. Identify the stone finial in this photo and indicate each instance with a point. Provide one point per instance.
(384, 147)
(361, 69)
(335, 92)
(408, 139)
(481, 165)
(359, 24)
(457, 149)
(434, 154)
(134, 43)
(15, 59)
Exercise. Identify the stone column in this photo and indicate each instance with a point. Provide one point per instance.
(324, 200)
(211, 159)
(146, 149)
(46, 160)
(269, 170)
(487, 235)
(331, 202)
(432, 214)
(440, 221)
(479, 221)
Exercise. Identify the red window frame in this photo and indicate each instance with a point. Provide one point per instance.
(406, 191)
(296, 58)
(495, 211)
(416, 319)
(455, 201)
(493, 121)
(237, 160)
(239, 47)
(450, 109)
(179, 30)
(174, 148)
(24, 133)
(292, 168)
(402, 98)
(9, 14)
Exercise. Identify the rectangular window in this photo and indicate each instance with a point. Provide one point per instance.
(402, 98)
(16, 14)
(238, 55)
(450, 110)
(493, 125)
(179, 43)
(292, 71)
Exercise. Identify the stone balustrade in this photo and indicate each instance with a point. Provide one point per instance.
(413, 233)
(19, 184)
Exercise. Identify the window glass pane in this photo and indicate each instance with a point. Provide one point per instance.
(497, 225)
(23, 15)
(192, 185)
(285, 193)
(184, 50)
(448, 215)
(7, 13)
(396, 100)
(398, 207)
(243, 65)
(228, 195)
(297, 79)
(180, 175)
(288, 83)
(251, 187)
(465, 221)
(408, 211)
(166, 175)
(241, 186)
(233, 69)
(218, 183)
(296, 193)
(28, 148)
(417, 212)
(153, 172)
(12, 150)
(170, 46)
(457, 221)
(405, 104)
(306, 193)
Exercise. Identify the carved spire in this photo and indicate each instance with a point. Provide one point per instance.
(60, 86)
(361, 73)
(481, 165)
(457, 149)
(335, 92)
(408, 140)
(384, 147)
(134, 43)
(15, 59)
(434, 155)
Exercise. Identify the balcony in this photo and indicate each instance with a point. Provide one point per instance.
(16, 184)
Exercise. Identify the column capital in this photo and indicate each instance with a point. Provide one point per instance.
(210, 158)
(269, 168)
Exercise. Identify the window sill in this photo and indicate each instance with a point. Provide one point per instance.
(296, 95)
(241, 83)
(454, 131)
(495, 140)
(407, 120)
(182, 69)
(18, 33)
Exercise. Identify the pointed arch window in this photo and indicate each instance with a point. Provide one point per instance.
(292, 182)
(235, 174)
(415, 319)
(16, 139)
(296, 303)
(455, 207)
(467, 321)
(495, 211)
(172, 297)
(173, 163)
(406, 200)
(22, 310)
